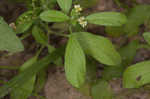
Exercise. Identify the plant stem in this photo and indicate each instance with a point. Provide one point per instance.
(24, 36)
(60, 34)
(40, 50)
(70, 29)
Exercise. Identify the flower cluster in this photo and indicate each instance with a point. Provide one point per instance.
(82, 21)
(78, 8)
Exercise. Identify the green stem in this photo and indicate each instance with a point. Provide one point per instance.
(60, 34)
(24, 36)
(40, 50)
(70, 29)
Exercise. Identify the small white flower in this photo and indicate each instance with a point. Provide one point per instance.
(82, 21)
(77, 8)
(83, 24)
(13, 26)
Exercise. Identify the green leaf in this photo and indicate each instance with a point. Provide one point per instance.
(146, 36)
(75, 65)
(136, 17)
(102, 90)
(107, 18)
(65, 5)
(53, 16)
(137, 75)
(26, 89)
(99, 47)
(24, 22)
(128, 52)
(51, 48)
(59, 61)
(26, 75)
(39, 35)
(8, 39)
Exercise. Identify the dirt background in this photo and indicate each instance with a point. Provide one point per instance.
(56, 86)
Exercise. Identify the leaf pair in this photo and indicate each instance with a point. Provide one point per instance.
(98, 47)
(103, 18)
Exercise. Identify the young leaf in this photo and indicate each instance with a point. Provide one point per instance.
(24, 22)
(137, 75)
(102, 90)
(75, 65)
(26, 89)
(65, 5)
(8, 39)
(146, 36)
(128, 52)
(39, 35)
(99, 47)
(53, 16)
(107, 18)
